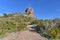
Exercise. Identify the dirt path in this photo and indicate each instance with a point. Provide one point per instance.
(24, 35)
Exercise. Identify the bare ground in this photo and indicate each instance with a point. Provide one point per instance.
(24, 35)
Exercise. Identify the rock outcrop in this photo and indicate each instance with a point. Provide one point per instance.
(30, 12)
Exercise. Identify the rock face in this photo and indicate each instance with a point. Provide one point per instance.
(30, 12)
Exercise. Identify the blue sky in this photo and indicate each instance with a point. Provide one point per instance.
(43, 9)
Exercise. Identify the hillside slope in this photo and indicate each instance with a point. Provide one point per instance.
(24, 35)
(13, 23)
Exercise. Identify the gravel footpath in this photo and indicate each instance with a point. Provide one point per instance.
(24, 35)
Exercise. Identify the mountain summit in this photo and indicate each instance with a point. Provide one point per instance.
(30, 12)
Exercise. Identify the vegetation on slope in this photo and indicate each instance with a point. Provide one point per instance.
(48, 28)
(13, 22)
(16, 22)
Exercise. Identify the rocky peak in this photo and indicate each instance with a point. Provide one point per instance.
(30, 12)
